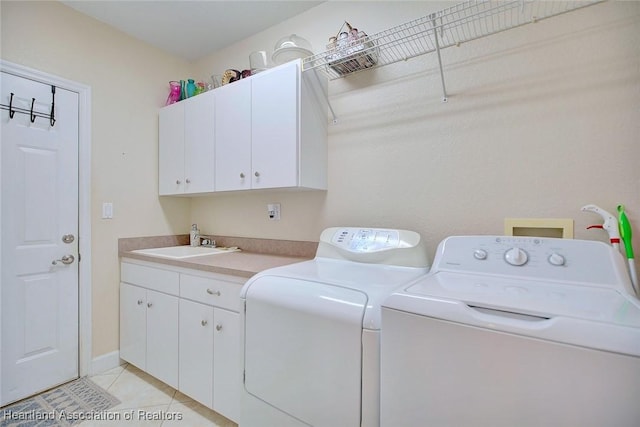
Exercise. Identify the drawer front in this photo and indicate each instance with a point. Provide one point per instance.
(211, 291)
(151, 278)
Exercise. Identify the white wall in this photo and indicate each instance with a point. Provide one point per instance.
(540, 121)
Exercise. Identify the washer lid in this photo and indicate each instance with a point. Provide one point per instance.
(538, 298)
(591, 317)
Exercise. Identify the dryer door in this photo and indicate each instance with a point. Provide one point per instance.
(303, 349)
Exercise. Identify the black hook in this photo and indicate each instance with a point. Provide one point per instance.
(11, 110)
(33, 116)
(52, 119)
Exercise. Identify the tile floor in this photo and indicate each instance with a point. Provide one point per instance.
(145, 399)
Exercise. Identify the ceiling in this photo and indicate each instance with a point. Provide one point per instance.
(191, 29)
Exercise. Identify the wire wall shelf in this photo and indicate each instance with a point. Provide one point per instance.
(453, 26)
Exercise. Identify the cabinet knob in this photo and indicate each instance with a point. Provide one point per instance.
(257, 174)
(210, 292)
(149, 304)
(140, 302)
(204, 323)
(178, 182)
(188, 181)
(242, 175)
(218, 327)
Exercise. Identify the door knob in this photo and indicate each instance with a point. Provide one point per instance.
(67, 259)
(218, 327)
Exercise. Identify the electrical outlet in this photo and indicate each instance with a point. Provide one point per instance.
(273, 209)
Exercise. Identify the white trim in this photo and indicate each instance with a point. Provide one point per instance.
(105, 362)
(84, 193)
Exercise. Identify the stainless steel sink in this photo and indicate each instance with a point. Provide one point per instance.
(180, 252)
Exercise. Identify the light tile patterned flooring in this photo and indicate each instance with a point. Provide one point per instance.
(149, 402)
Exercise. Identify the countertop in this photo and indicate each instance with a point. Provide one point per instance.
(255, 256)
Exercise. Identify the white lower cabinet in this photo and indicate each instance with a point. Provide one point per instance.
(182, 327)
(227, 376)
(149, 323)
(196, 351)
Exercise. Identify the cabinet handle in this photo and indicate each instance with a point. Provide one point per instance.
(149, 304)
(140, 302)
(210, 292)
(218, 327)
(241, 175)
(204, 323)
(178, 182)
(188, 181)
(257, 174)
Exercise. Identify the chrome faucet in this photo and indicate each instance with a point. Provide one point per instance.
(207, 241)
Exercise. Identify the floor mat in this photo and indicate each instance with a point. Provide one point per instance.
(66, 405)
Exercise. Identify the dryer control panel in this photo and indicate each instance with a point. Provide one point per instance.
(374, 245)
(366, 239)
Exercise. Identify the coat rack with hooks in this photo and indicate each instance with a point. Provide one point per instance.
(470, 20)
(31, 112)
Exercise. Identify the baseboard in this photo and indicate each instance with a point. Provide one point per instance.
(105, 362)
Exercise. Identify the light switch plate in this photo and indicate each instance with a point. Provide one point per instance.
(107, 210)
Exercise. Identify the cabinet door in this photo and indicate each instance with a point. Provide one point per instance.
(171, 149)
(133, 325)
(199, 145)
(274, 137)
(227, 375)
(196, 351)
(233, 136)
(162, 337)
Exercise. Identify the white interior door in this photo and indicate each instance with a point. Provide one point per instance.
(39, 287)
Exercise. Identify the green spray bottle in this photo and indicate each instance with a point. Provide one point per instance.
(626, 235)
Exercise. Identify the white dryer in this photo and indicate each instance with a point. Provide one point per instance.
(311, 330)
(511, 331)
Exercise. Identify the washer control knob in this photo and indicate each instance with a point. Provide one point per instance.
(516, 256)
(480, 254)
(556, 259)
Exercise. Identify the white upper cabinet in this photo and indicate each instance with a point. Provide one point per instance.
(186, 146)
(274, 130)
(171, 149)
(233, 136)
(267, 131)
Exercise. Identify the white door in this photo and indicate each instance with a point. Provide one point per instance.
(39, 292)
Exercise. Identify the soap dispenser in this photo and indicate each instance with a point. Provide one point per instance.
(194, 236)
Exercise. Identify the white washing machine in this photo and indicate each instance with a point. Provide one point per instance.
(511, 331)
(311, 330)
